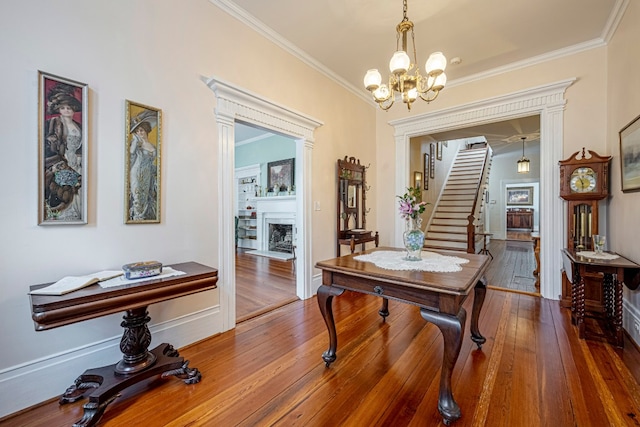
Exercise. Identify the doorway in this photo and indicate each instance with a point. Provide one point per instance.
(265, 240)
(236, 104)
(547, 101)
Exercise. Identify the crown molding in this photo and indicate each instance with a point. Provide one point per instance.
(243, 16)
(267, 32)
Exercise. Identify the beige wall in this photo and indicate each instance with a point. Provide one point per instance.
(623, 101)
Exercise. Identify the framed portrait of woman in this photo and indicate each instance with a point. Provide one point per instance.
(62, 150)
(143, 136)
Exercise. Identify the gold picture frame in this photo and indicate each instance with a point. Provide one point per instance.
(143, 143)
(630, 156)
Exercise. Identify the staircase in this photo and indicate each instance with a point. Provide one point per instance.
(457, 215)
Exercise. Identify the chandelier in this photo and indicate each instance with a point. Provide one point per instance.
(405, 78)
(523, 163)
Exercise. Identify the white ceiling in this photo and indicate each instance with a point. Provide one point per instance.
(344, 38)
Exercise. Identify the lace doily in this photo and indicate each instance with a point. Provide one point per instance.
(592, 254)
(431, 261)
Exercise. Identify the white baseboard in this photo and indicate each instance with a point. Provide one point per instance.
(631, 321)
(36, 381)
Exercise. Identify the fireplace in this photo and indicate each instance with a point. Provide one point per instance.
(280, 238)
(276, 219)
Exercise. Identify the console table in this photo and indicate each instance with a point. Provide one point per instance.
(614, 273)
(137, 362)
(439, 295)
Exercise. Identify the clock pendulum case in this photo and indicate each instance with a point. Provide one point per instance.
(583, 183)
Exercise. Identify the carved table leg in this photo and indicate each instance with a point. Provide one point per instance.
(137, 364)
(451, 328)
(135, 342)
(384, 310)
(480, 291)
(617, 319)
(325, 298)
(580, 308)
(609, 296)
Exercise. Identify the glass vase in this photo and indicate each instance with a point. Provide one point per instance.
(413, 239)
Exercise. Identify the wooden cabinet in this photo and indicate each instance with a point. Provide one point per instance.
(520, 218)
(352, 205)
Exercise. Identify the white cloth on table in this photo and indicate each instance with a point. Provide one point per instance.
(121, 280)
(431, 261)
(592, 254)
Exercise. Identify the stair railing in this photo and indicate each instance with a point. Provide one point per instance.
(475, 210)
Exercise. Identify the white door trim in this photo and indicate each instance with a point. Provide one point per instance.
(234, 103)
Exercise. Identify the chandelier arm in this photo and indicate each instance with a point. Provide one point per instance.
(429, 99)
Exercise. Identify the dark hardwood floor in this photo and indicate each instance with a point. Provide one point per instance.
(262, 284)
(532, 371)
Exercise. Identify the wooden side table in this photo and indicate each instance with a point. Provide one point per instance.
(614, 273)
(137, 363)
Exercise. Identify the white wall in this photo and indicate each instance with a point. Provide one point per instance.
(158, 53)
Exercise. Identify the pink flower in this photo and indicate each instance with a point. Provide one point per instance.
(409, 206)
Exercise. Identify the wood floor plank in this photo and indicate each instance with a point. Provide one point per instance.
(532, 371)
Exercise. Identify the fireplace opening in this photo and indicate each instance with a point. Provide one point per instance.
(281, 238)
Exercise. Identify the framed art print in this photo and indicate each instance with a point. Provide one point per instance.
(520, 196)
(143, 138)
(630, 156)
(425, 174)
(62, 150)
(280, 175)
(439, 151)
(432, 158)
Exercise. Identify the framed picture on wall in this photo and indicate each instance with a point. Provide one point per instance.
(520, 196)
(432, 159)
(143, 136)
(425, 175)
(62, 150)
(280, 175)
(439, 150)
(630, 156)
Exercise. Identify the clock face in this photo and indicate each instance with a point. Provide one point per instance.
(583, 180)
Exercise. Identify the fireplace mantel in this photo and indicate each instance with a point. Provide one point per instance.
(277, 210)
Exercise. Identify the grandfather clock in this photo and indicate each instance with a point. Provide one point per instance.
(583, 183)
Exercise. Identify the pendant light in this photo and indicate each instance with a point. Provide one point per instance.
(523, 163)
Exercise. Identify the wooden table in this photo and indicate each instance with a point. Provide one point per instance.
(137, 362)
(484, 249)
(614, 272)
(535, 237)
(353, 238)
(439, 295)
